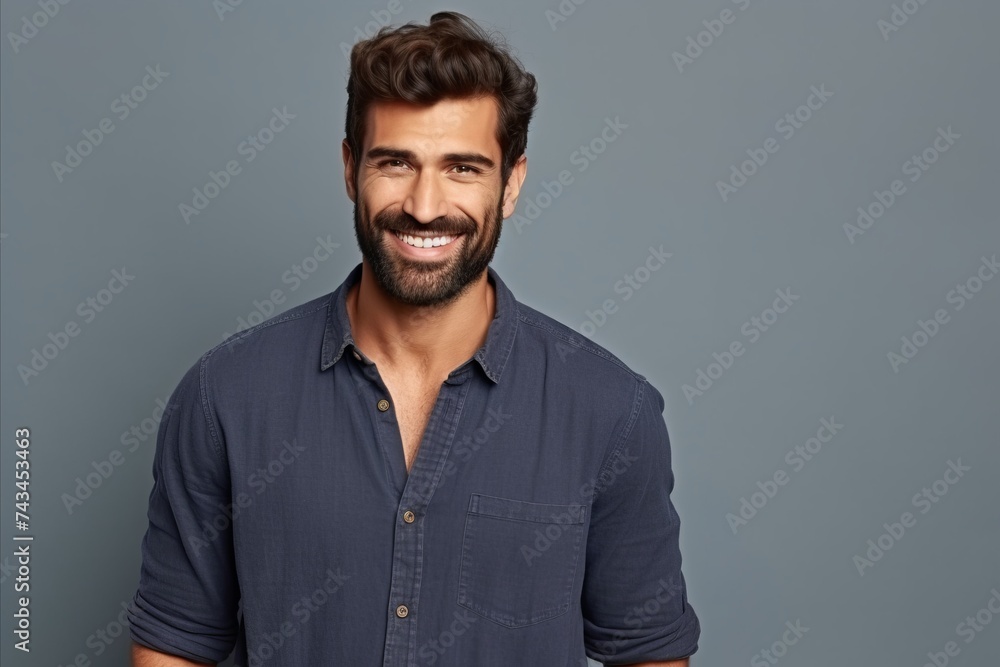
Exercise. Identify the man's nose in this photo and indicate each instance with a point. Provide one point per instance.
(426, 201)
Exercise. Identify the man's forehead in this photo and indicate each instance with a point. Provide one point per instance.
(448, 124)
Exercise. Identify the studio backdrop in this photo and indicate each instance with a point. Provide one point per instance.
(783, 214)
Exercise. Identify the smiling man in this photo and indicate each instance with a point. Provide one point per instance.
(300, 512)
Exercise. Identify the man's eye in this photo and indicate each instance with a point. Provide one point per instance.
(471, 170)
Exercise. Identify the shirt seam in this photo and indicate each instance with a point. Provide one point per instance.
(511, 337)
(280, 319)
(579, 343)
(206, 406)
(624, 435)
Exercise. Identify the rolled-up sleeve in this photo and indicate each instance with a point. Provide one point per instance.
(187, 598)
(634, 602)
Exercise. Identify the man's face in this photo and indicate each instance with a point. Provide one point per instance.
(433, 173)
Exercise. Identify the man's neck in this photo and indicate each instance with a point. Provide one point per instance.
(429, 341)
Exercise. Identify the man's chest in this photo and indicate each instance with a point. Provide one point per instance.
(505, 464)
(413, 402)
(355, 440)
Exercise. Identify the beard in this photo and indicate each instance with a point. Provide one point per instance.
(427, 282)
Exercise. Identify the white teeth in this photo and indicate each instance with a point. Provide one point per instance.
(424, 242)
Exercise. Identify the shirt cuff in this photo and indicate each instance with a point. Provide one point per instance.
(161, 632)
(631, 645)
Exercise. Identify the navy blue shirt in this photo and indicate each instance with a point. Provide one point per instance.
(534, 528)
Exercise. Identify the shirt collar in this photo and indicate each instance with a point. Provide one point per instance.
(492, 356)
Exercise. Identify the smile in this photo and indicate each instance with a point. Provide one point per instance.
(425, 241)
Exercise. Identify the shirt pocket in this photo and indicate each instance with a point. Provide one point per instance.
(519, 559)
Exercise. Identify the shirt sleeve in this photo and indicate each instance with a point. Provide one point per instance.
(634, 603)
(187, 598)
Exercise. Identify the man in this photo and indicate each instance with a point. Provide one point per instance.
(416, 469)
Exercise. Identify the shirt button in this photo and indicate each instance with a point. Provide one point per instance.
(408, 516)
(402, 611)
(356, 355)
(383, 405)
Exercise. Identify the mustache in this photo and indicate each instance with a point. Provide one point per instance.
(407, 224)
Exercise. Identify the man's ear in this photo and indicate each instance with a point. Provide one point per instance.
(349, 171)
(513, 187)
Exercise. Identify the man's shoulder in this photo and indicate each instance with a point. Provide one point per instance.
(590, 373)
(578, 354)
(292, 333)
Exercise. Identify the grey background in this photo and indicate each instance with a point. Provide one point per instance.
(656, 184)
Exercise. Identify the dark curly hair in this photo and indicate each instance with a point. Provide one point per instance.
(451, 57)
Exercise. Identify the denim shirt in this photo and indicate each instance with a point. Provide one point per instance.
(535, 527)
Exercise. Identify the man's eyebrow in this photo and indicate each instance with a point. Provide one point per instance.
(377, 152)
(471, 158)
(385, 151)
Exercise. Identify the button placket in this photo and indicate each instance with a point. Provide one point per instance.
(407, 571)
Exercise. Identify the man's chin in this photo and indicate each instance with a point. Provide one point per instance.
(403, 264)
(414, 293)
